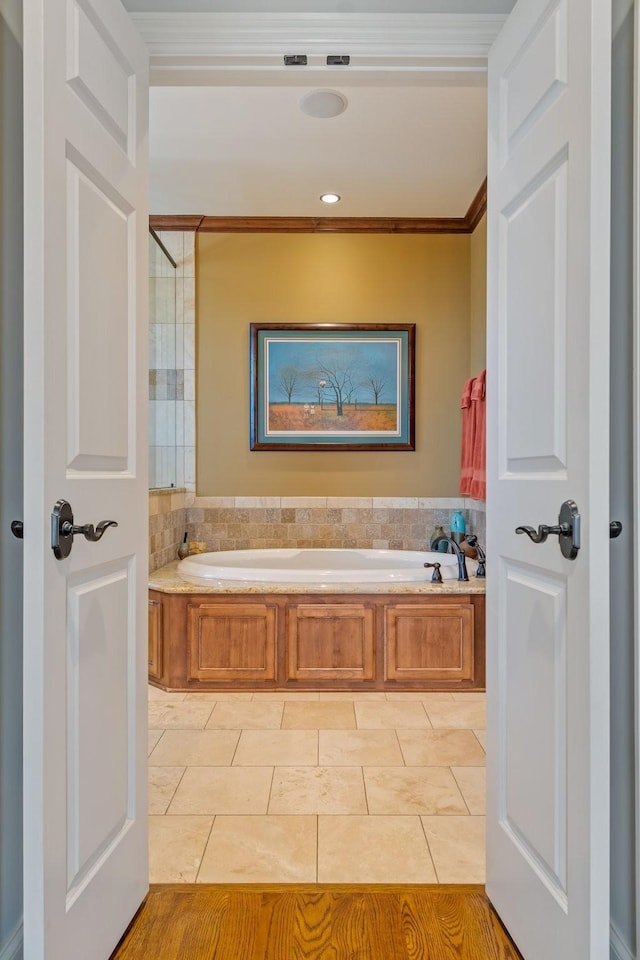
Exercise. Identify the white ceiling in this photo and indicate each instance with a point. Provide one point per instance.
(397, 151)
(228, 137)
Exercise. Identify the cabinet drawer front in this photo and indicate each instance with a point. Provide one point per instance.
(431, 642)
(155, 639)
(231, 642)
(330, 642)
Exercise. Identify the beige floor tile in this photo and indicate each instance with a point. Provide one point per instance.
(351, 697)
(153, 737)
(242, 716)
(162, 786)
(391, 716)
(258, 748)
(440, 748)
(373, 850)
(418, 695)
(318, 716)
(227, 790)
(196, 748)
(351, 748)
(470, 716)
(457, 845)
(431, 791)
(436, 697)
(284, 695)
(154, 693)
(185, 716)
(260, 850)
(214, 695)
(482, 737)
(331, 790)
(469, 697)
(176, 846)
(473, 786)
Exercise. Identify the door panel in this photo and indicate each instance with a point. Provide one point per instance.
(548, 423)
(85, 622)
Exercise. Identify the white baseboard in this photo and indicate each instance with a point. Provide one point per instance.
(619, 949)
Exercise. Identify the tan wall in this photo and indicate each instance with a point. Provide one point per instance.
(340, 278)
(478, 328)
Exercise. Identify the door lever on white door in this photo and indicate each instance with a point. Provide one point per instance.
(567, 530)
(63, 529)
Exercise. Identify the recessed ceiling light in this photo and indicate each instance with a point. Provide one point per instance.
(323, 104)
(330, 198)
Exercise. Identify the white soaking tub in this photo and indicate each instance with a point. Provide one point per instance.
(319, 566)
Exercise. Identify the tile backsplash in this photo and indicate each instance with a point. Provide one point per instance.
(241, 523)
(167, 525)
(396, 523)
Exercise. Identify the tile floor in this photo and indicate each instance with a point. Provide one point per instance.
(316, 787)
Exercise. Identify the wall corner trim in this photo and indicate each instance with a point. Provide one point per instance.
(12, 950)
(618, 947)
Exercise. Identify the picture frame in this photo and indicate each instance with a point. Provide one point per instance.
(332, 386)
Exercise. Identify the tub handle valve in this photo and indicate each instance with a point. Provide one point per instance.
(436, 577)
(63, 529)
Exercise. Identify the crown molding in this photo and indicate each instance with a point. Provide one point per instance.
(397, 225)
(228, 48)
(477, 207)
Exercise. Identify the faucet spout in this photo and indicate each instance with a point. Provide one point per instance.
(462, 565)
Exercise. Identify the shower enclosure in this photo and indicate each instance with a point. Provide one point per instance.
(166, 378)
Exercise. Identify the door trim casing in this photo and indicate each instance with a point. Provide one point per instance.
(230, 49)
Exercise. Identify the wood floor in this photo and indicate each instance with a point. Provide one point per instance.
(315, 922)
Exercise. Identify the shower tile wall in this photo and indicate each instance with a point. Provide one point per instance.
(172, 362)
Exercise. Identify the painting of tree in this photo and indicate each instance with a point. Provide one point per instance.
(322, 385)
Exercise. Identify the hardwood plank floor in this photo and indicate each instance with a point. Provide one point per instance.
(315, 922)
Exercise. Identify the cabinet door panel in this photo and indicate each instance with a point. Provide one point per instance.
(155, 639)
(430, 642)
(330, 642)
(231, 641)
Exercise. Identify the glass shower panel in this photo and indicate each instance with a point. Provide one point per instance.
(163, 374)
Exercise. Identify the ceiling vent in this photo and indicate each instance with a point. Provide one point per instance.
(338, 60)
(295, 59)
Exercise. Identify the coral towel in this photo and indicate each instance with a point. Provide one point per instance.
(478, 488)
(468, 436)
(473, 456)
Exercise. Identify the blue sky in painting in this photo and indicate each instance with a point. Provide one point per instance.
(355, 363)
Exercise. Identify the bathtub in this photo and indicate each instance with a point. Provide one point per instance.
(319, 566)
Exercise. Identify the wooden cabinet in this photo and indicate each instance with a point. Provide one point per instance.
(155, 639)
(232, 641)
(330, 642)
(429, 642)
(317, 641)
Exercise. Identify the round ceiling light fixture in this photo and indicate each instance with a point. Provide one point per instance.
(323, 104)
(330, 197)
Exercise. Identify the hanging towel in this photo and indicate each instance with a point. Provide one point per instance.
(468, 435)
(478, 485)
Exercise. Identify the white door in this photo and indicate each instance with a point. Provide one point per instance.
(86, 103)
(548, 394)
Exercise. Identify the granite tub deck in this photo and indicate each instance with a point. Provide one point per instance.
(233, 635)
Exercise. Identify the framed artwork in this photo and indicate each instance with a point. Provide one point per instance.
(332, 386)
